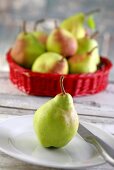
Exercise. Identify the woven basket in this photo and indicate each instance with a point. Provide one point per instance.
(48, 84)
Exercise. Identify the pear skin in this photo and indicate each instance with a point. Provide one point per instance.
(85, 45)
(78, 31)
(39, 34)
(61, 41)
(50, 62)
(82, 64)
(26, 49)
(41, 37)
(56, 122)
(72, 21)
(75, 25)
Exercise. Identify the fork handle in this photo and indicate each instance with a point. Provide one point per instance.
(103, 152)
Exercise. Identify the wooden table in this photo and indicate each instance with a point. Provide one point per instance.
(98, 109)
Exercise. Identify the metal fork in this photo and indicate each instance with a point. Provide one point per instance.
(105, 149)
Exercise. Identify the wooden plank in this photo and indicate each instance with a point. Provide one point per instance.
(7, 111)
(4, 74)
(84, 105)
(106, 124)
(6, 86)
(100, 105)
(12, 97)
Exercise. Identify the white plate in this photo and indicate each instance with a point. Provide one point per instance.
(17, 139)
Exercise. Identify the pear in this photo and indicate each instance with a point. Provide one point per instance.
(40, 35)
(50, 62)
(82, 63)
(78, 31)
(61, 41)
(86, 44)
(56, 122)
(26, 49)
(75, 25)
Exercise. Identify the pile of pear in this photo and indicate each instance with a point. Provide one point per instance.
(68, 48)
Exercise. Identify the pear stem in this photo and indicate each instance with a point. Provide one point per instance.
(92, 12)
(24, 27)
(38, 22)
(61, 84)
(92, 50)
(95, 34)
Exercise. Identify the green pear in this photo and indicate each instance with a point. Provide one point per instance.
(85, 45)
(62, 41)
(75, 25)
(26, 49)
(72, 21)
(82, 63)
(40, 35)
(79, 31)
(50, 62)
(56, 122)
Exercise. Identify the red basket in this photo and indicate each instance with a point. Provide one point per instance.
(48, 84)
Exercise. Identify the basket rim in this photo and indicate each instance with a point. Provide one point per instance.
(107, 63)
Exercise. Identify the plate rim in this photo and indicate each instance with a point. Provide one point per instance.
(27, 159)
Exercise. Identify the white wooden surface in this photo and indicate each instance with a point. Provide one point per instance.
(97, 109)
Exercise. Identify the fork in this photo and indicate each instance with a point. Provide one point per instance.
(105, 149)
